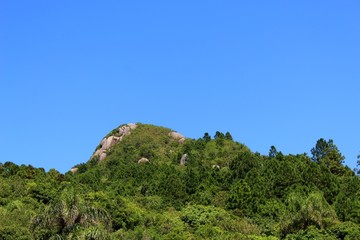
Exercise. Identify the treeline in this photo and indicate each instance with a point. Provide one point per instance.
(224, 191)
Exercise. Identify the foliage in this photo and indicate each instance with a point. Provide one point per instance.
(327, 153)
(224, 191)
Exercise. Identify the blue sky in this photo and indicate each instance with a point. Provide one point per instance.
(282, 73)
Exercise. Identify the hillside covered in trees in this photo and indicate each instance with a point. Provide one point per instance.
(149, 182)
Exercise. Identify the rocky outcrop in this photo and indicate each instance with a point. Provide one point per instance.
(215, 166)
(143, 160)
(177, 136)
(119, 134)
(110, 141)
(74, 170)
(126, 130)
(107, 143)
(183, 159)
(102, 156)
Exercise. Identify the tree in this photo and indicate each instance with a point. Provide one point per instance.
(347, 203)
(67, 214)
(207, 137)
(326, 152)
(219, 138)
(219, 135)
(243, 163)
(306, 210)
(240, 196)
(273, 152)
(228, 136)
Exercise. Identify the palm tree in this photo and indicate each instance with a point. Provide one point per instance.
(305, 211)
(69, 213)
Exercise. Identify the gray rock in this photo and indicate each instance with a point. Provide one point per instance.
(107, 143)
(98, 152)
(143, 160)
(132, 125)
(103, 142)
(183, 159)
(110, 141)
(102, 156)
(126, 129)
(176, 135)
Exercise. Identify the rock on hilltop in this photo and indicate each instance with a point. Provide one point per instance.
(109, 141)
(145, 135)
(144, 144)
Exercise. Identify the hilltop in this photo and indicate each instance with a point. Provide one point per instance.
(130, 143)
(150, 182)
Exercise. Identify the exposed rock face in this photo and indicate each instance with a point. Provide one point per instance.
(143, 160)
(102, 156)
(110, 141)
(107, 143)
(183, 159)
(74, 170)
(126, 129)
(177, 136)
(97, 152)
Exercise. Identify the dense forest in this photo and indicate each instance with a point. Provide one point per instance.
(150, 184)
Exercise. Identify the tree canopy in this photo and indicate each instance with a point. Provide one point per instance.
(223, 191)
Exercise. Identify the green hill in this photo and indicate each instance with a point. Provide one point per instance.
(150, 182)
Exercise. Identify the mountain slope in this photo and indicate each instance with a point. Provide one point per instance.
(160, 145)
(153, 183)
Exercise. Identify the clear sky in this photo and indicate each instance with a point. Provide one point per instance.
(282, 73)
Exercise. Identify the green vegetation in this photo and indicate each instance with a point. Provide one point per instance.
(224, 191)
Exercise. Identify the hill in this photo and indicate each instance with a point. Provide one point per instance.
(150, 182)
